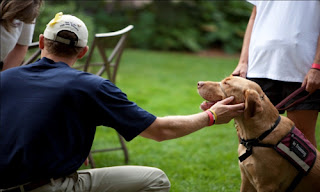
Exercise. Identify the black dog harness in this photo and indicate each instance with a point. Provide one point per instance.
(294, 147)
(256, 142)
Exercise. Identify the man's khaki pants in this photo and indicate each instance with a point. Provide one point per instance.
(111, 179)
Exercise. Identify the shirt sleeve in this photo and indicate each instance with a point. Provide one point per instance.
(26, 34)
(116, 111)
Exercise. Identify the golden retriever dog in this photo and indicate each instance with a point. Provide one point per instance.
(262, 133)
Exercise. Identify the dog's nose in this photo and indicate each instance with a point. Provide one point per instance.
(200, 84)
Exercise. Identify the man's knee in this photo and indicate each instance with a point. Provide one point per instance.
(159, 181)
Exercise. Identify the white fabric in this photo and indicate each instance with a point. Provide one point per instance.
(69, 23)
(284, 39)
(20, 34)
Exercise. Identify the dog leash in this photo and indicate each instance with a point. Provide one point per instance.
(300, 174)
(291, 96)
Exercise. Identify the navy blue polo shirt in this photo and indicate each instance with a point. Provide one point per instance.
(48, 116)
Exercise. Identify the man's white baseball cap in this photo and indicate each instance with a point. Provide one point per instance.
(67, 23)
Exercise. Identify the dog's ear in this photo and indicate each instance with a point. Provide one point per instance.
(252, 103)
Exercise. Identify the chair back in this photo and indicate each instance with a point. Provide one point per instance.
(110, 47)
(35, 55)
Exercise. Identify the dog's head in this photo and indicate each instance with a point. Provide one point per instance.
(243, 90)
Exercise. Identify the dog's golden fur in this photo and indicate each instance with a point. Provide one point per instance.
(265, 169)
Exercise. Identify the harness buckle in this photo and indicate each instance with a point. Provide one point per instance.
(249, 143)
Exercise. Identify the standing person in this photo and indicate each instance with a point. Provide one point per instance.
(49, 113)
(16, 29)
(281, 52)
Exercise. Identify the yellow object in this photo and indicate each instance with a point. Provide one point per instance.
(215, 115)
(56, 19)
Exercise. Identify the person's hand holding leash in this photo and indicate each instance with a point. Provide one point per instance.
(312, 80)
(241, 70)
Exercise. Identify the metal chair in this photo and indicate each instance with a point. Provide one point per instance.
(113, 42)
(35, 55)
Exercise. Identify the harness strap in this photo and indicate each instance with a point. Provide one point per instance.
(295, 181)
(256, 142)
(249, 150)
(245, 155)
(266, 133)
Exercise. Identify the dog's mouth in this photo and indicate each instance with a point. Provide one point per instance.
(210, 100)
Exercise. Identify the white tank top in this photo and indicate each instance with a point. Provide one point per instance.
(284, 39)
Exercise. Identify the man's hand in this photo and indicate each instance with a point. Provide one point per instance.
(312, 80)
(227, 112)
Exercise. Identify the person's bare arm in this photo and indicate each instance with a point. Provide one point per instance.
(171, 127)
(312, 79)
(15, 57)
(242, 68)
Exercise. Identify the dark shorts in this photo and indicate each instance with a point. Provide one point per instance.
(279, 90)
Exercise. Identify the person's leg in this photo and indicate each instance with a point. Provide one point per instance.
(123, 179)
(112, 179)
(305, 114)
(305, 121)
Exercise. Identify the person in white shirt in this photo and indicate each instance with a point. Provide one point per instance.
(16, 27)
(281, 52)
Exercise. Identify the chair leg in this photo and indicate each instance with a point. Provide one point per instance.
(124, 148)
(91, 161)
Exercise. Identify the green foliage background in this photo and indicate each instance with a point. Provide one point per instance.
(191, 25)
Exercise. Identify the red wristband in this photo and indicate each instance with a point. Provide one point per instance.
(211, 121)
(315, 66)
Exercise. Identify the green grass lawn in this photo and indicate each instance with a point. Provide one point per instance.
(165, 83)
